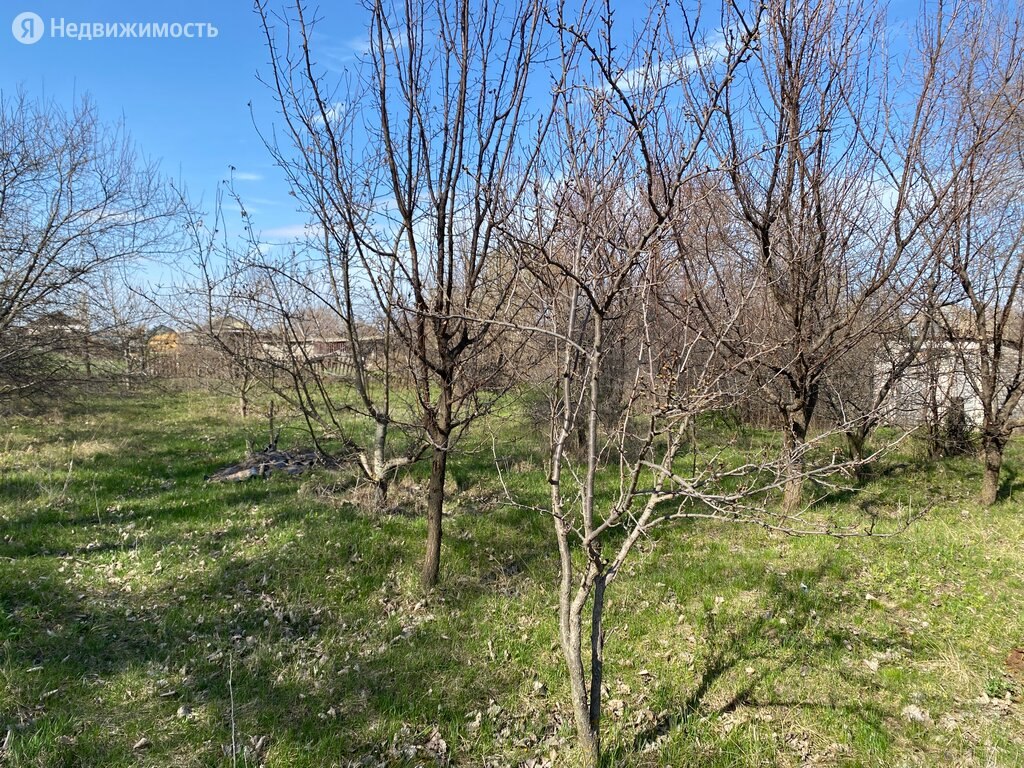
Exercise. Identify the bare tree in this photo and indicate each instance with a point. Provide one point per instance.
(867, 386)
(412, 207)
(214, 303)
(335, 273)
(824, 162)
(619, 167)
(75, 198)
(981, 253)
(321, 334)
(119, 316)
(629, 207)
(282, 320)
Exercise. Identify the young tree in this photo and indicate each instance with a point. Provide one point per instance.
(627, 209)
(412, 196)
(285, 320)
(336, 272)
(219, 307)
(75, 198)
(619, 167)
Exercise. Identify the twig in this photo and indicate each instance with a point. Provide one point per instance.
(231, 698)
(67, 480)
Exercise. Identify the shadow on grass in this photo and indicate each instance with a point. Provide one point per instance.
(759, 640)
(1010, 485)
(286, 631)
(325, 657)
(301, 623)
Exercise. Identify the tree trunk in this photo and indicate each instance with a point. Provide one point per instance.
(380, 478)
(127, 378)
(572, 650)
(794, 488)
(243, 397)
(380, 495)
(570, 635)
(793, 441)
(993, 455)
(797, 417)
(87, 356)
(855, 442)
(935, 443)
(435, 506)
(596, 666)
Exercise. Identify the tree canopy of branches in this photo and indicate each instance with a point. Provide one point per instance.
(823, 156)
(630, 369)
(744, 208)
(980, 253)
(408, 180)
(666, 300)
(75, 199)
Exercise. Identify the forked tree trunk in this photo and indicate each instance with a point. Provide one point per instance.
(993, 456)
(589, 740)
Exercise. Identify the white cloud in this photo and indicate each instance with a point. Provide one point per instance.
(334, 113)
(339, 54)
(664, 72)
(287, 232)
(246, 176)
(358, 45)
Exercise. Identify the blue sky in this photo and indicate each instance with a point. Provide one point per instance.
(184, 101)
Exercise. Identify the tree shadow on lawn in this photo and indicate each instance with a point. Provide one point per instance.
(68, 661)
(759, 641)
(322, 667)
(1009, 484)
(319, 643)
(160, 516)
(269, 645)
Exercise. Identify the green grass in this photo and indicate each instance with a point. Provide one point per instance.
(139, 602)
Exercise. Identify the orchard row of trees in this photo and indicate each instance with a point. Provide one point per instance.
(779, 203)
(780, 206)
